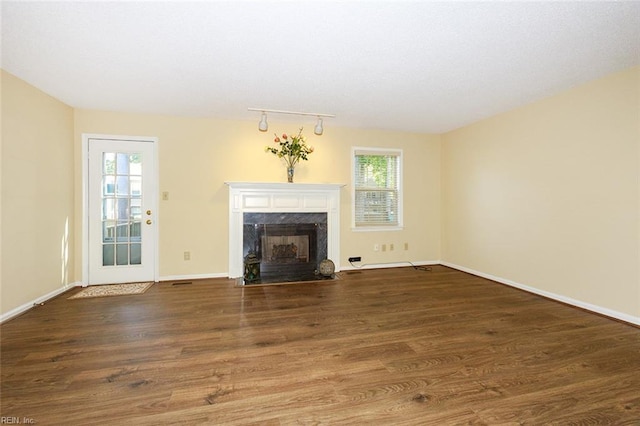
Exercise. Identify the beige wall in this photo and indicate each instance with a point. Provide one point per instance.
(198, 155)
(37, 194)
(547, 195)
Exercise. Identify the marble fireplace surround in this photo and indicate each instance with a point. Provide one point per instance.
(266, 197)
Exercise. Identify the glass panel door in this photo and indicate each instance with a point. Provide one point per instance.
(122, 230)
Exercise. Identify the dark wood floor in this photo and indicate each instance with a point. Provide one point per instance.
(394, 346)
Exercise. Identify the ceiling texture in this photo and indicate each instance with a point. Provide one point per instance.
(416, 66)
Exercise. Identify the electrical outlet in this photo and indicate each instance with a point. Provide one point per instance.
(406, 246)
(165, 195)
(376, 247)
(355, 259)
(187, 255)
(391, 247)
(384, 247)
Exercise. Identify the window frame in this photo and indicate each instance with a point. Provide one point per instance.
(360, 150)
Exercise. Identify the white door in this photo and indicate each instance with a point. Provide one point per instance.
(122, 211)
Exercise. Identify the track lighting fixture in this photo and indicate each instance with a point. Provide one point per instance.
(263, 126)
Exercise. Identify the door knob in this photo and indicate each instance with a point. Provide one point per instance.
(148, 221)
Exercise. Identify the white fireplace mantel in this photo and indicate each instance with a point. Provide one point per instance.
(266, 197)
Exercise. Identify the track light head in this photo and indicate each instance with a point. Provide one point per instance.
(263, 126)
(318, 129)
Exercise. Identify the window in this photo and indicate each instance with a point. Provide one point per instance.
(377, 190)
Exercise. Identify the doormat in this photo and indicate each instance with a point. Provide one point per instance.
(112, 290)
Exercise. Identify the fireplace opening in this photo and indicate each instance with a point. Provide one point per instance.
(289, 246)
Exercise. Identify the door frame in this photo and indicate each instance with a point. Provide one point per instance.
(85, 198)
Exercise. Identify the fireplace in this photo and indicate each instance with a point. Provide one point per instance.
(290, 246)
(289, 227)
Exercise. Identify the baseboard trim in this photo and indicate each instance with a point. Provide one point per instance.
(567, 300)
(42, 299)
(391, 265)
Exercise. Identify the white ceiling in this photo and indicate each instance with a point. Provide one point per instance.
(402, 65)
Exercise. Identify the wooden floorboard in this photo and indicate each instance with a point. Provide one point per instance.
(392, 346)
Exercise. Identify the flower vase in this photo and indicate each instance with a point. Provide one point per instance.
(290, 174)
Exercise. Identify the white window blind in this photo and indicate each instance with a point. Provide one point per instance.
(377, 196)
